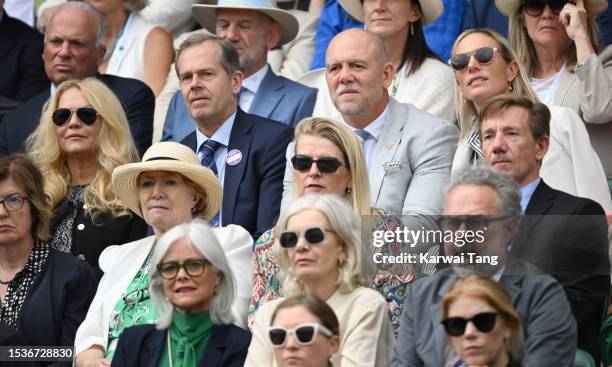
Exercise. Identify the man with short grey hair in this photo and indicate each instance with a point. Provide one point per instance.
(245, 151)
(486, 202)
(73, 49)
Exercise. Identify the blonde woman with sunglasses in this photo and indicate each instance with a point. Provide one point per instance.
(320, 253)
(557, 43)
(486, 66)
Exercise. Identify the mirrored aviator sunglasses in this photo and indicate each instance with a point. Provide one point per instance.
(535, 8)
(305, 334)
(313, 236)
(303, 163)
(483, 55)
(87, 115)
(484, 322)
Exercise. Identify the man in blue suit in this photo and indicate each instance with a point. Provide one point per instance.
(253, 27)
(245, 151)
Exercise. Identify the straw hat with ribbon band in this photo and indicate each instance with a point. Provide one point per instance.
(171, 157)
(431, 9)
(509, 7)
(206, 15)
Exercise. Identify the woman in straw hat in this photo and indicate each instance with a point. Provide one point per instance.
(420, 78)
(557, 43)
(167, 188)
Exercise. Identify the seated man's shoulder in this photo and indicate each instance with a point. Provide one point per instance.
(122, 85)
(567, 204)
(265, 127)
(296, 88)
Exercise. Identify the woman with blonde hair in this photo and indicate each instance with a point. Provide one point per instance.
(486, 66)
(328, 159)
(483, 327)
(320, 252)
(83, 135)
(557, 43)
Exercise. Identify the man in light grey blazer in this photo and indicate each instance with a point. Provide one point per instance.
(487, 200)
(408, 151)
(253, 27)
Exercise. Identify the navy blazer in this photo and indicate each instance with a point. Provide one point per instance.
(136, 97)
(21, 48)
(143, 345)
(57, 302)
(252, 189)
(566, 236)
(277, 98)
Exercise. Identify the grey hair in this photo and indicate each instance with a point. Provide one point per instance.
(229, 58)
(505, 187)
(357, 270)
(88, 8)
(202, 238)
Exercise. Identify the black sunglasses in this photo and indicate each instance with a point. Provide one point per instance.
(484, 322)
(193, 268)
(87, 115)
(470, 222)
(483, 55)
(303, 163)
(313, 236)
(535, 8)
(305, 334)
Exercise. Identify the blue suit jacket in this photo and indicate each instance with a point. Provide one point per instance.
(278, 99)
(143, 345)
(136, 97)
(252, 189)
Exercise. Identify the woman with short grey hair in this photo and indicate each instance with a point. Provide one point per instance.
(192, 290)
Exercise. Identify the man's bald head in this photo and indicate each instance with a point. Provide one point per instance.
(358, 74)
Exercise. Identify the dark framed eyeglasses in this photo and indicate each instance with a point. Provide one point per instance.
(13, 203)
(303, 163)
(484, 322)
(535, 8)
(305, 334)
(469, 222)
(87, 115)
(193, 268)
(313, 236)
(483, 55)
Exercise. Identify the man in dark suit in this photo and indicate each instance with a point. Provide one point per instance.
(563, 235)
(245, 151)
(73, 49)
(487, 203)
(20, 49)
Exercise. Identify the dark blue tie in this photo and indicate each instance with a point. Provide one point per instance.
(207, 150)
(362, 134)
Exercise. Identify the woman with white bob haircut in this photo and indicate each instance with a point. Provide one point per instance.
(320, 253)
(192, 291)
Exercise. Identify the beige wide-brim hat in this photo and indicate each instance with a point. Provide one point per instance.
(432, 9)
(509, 7)
(171, 157)
(206, 15)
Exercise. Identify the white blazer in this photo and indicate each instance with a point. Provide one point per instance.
(121, 263)
(570, 165)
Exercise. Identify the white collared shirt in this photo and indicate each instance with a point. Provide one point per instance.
(375, 129)
(250, 86)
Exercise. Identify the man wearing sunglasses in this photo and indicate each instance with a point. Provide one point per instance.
(245, 151)
(494, 200)
(563, 235)
(408, 151)
(73, 49)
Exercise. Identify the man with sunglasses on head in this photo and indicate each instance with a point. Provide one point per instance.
(73, 49)
(563, 235)
(245, 151)
(408, 152)
(485, 200)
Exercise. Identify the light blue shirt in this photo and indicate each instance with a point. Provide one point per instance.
(527, 192)
(222, 135)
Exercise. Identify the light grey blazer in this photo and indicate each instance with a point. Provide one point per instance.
(420, 147)
(548, 323)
